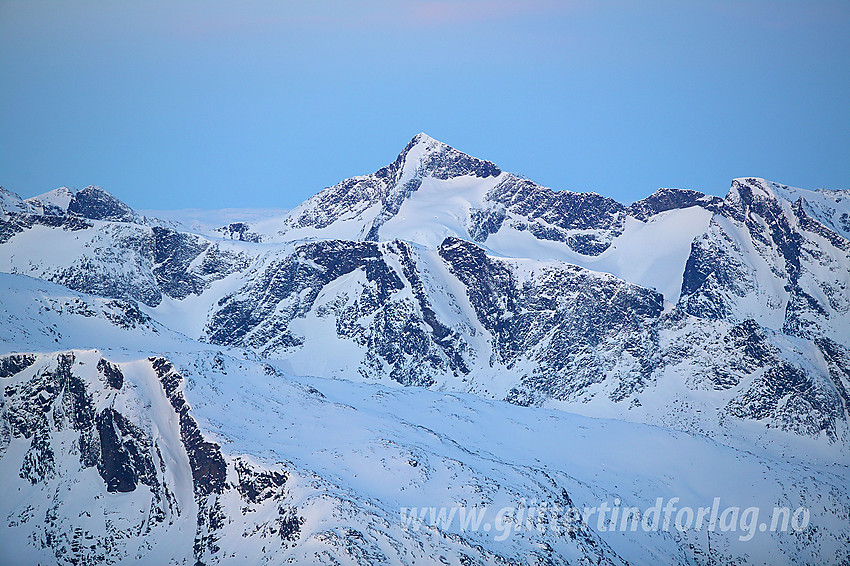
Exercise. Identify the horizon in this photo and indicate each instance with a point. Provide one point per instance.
(172, 105)
(264, 212)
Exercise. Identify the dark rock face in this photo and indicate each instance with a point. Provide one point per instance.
(749, 342)
(779, 233)
(709, 273)
(57, 398)
(809, 224)
(91, 202)
(209, 470)
(39, 462)
(28, 404)
(485, 222)
(126, 315)
(257, 485)
(492, 292)
(569, 322)
(663, 200)
(716, 271)
(112, 373)
(402, 333)
(789, 396)
(837, 359)
(442, 335)
(563, 209)
(289, 524)
(28, 407)
(440, 161)
(555, 215)
(15, 363)
(819, 304)
(447, 163)
(344, 200)
(173, 252)
(97, 204)
(127, 261)
(581, 333)
(758, 260)
(114, 465)
(77, 402)
(761, 373)
(310, 268)
(15, 223)
(12, 202)
(240, 231)
(173, 255)
(114, 261)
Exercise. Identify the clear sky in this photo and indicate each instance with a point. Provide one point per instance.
(260, 104)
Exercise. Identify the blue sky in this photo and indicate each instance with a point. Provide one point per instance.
(261, 104)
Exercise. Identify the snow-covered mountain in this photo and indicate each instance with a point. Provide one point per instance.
(258, 416)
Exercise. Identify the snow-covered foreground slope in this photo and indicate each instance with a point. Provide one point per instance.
(177, 390)
(225, 460)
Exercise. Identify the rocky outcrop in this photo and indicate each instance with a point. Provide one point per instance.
(205, 459)
(97, 204)
(663, 200)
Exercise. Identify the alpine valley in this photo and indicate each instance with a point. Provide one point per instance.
(437, 334)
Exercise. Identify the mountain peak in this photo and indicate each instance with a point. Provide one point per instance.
(422, 137)
(59, 198)
(425, 156)
(96, 203)
(11, 202)
(421, 145)
(751, 187)
(91, 202)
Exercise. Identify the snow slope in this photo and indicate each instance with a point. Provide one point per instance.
(341, 459)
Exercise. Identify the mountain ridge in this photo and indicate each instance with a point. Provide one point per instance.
(276, 296)
(215, 387)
